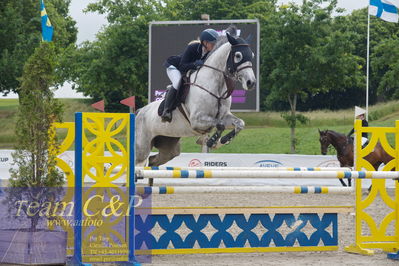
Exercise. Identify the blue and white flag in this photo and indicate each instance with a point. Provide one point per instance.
(385, 9)
(393, 2)
(47, 28)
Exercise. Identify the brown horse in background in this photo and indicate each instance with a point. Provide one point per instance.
(344, 147)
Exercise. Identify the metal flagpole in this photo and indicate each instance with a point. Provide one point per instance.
(368, 65)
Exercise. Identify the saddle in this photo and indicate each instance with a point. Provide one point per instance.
(182, 93)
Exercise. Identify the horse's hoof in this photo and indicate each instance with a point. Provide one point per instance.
(225, 141)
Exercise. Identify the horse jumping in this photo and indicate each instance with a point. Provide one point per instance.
(206, 107)
(344, 147)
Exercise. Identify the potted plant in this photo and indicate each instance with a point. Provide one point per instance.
(35, 183)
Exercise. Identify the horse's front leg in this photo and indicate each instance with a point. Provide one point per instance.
(204, 123)
(213, 140)
(231, 120)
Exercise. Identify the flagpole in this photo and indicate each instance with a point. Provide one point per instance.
(368, 64)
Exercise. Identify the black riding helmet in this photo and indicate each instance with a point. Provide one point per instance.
(209, 35)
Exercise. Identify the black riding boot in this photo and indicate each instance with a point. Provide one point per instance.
(169, 101)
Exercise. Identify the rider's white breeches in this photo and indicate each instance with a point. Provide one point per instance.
(364, 140)
(174, 76)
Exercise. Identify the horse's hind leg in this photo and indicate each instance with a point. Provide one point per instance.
(343, 183)
(168, 147)
(143, 149)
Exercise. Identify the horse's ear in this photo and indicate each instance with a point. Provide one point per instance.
(232, 30)
(319, 130)
(231, 39)
(249, 39)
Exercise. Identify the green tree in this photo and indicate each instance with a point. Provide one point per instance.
(386, 62)
(306, 57)
(380, 32)
(216, 9)
(115, 65)
(20, 34)
(34, 157)
(384, 56)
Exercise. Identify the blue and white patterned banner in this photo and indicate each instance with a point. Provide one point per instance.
(385, 9)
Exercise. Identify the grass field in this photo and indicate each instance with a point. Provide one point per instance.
(265, 132)
(8, 117)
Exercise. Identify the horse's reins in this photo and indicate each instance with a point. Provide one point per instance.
(227, 79)
(229, 86)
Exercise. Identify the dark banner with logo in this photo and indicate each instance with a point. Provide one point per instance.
(168, 39)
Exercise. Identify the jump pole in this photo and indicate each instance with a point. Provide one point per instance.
(244, 189)
(171, 168)
(266, 174)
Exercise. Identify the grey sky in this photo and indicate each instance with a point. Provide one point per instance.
(89, 24)
(349, 5)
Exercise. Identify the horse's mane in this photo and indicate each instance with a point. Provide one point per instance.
(338, 134)
(334, 132)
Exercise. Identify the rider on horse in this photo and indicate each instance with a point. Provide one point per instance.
(359, 112)
(192, 58)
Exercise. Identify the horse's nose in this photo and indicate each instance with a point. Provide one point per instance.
(251, 84)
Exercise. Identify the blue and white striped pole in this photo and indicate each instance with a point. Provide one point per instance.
(266, 174)
(243, 189)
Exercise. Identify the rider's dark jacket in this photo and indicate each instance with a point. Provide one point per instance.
(364, 124)
(186, 61)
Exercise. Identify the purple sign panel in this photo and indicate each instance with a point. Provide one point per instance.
(171, 38)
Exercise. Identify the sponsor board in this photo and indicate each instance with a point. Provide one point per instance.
(268, 163)
(198, 163)
(6, 159)
(329, 163)
(194, 163)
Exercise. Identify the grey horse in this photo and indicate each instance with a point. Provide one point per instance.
(207, 105)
